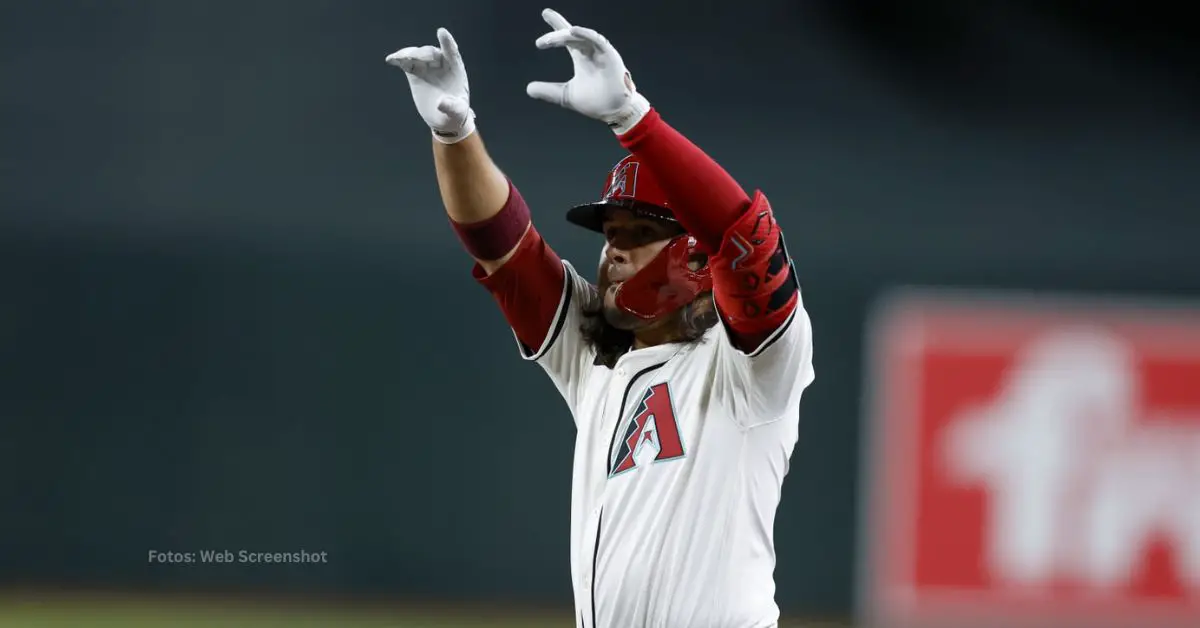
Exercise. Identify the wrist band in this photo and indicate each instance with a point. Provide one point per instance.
(467, 129)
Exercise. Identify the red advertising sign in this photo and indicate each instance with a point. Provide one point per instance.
(1032, 462)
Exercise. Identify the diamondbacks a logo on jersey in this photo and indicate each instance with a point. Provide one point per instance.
(652, 434)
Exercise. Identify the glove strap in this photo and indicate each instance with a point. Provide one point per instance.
(454, 137)
(628, 116)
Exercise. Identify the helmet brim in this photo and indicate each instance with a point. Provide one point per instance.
(591, 216)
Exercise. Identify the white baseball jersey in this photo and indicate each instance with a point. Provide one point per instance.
(680, 455)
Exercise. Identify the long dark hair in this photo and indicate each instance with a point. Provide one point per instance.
(691, 322)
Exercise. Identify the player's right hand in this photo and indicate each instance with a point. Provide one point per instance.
(438, 80)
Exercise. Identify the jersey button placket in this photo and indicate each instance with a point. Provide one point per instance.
(589, 559)
(617, 389)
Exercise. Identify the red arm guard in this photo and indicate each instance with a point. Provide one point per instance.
(706, 200)
(528, 288)
(754, 283)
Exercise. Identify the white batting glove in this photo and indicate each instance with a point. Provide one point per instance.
(438, 80)
(601, 88)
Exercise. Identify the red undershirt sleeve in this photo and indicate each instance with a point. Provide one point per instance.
(528, 288)
(707, 200)
(753, 278)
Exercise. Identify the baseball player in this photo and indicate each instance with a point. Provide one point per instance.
(683, 365)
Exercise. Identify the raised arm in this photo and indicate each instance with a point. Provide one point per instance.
(484, 208)
(476, 195)
(753, 283)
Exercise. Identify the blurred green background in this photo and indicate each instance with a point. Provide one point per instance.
(39, 610)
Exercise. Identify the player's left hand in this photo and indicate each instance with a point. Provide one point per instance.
(601, 88)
